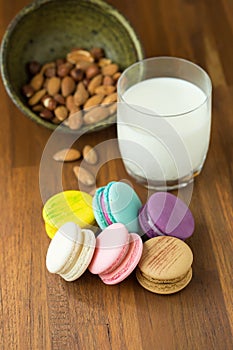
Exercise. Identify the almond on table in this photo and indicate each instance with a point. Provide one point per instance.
(84, 176)
(90, 155)
(67, 155)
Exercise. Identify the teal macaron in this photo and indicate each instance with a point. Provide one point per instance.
(117, 202)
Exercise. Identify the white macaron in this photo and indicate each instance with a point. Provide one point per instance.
(70, 251)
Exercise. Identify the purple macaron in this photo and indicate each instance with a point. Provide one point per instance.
(166, 215)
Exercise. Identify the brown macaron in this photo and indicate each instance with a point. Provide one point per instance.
(165, 265)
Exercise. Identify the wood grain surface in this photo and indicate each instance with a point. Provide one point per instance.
(41, 311)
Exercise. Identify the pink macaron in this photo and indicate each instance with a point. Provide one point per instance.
(117, 253)
(128, 264)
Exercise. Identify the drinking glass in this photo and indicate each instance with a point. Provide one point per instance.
(164, 121)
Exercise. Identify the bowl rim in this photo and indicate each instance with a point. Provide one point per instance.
(25, 11)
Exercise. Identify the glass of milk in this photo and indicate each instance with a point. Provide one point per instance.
(164, 121)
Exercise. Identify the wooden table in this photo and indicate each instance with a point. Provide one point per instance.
(41, 311)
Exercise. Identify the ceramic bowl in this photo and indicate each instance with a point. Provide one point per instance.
(47, 29)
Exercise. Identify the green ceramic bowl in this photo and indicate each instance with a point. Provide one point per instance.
(48, 29)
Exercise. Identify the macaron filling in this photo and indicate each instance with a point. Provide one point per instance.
(82, 259)
(164, 286)
(104, 210)
(107, 199)
(70, 251)
(74, 254)
(147, 225)
(156, 231)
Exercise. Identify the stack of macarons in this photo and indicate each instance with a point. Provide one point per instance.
(163, 262)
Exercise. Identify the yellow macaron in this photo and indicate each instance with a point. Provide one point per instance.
(66, 206)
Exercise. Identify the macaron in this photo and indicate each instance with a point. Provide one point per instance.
(117, 202)
(128, 264)
(112, 245)
(166, 215)
(116, 255)
(165, 266)
(70, 251)
(68, 206)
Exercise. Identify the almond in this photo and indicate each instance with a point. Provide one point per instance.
(84, 176)
(95, 115)
(46, 114)
(33, 67)
(105, 89)
(53, 86)
(50, 72)
(49, 102)
(104, 62)
(75, 120)
(36, 97)
(77, 74)
(60, 99)
(61, 112)
(96, 81)
(92, 71)
(83, 65)
(64, 69)
(93, 101)
(108, 80)
(116, 76)
(79, 55)
(110, 69)
(110, 98)
(97, 53)
(67, 86)
(38, 108)
(70, 102)
(81, 95)
(67, 155)
(28, 91)
(46, 66)
(37, 82)
(90, 155)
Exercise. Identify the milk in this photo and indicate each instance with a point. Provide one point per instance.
(164, 128)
